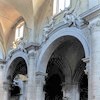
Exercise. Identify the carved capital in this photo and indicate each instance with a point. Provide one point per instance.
(86, 71)
(32, 54)
(86, 60)
(6, 86)
(40, 78)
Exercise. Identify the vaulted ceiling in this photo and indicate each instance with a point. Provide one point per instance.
(11, 10)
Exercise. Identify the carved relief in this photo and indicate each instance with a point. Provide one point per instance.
(69, 19)
(72, 19)
(48, 28)
(40, 78)
(18, 45)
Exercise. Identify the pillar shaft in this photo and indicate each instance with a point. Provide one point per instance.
(40, 80)
(6, 88)
(3, 91)
(31, 91)
(1, 84)
(95, 60)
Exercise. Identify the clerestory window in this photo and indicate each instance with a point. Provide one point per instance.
(19, 31)
(59, 5)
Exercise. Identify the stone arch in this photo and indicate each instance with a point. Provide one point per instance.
(55, 40)
(16, 55)
(16, 75)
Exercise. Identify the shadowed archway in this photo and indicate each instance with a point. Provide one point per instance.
(16, 78)
(61, 68)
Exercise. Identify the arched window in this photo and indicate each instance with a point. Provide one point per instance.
(59, 5)
(19, 31)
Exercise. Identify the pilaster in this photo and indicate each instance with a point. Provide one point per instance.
(40, 81)
(3, 87)
(95, 60)
(6, 88)
(31, 86)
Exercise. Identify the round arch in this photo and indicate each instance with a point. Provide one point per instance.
(16, 55)
(55, 40)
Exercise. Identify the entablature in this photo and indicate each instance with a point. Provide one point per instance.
(91, 13)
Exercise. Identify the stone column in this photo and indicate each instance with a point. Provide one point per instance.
(40, 81)
(1, 81)
(70, 92)
(95, 59)
(31, 86)
(3, 91)
(6, 87)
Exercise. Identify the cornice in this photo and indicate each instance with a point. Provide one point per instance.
(91, 13)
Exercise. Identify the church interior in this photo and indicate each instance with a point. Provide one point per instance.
(49, 49)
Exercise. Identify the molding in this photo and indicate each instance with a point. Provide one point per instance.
(40, 78)
(32, 49)
(68, 19)
(23, 47)
(17, 21)
(91, 13)
(86, 60)
(95, 25)
(13, 51)
(54, 41)
(32, 45)
(41, 74)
